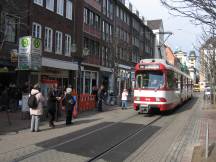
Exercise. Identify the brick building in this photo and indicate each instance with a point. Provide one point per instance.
(85, 43)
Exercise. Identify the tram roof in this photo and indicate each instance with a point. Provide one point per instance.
(165, 63)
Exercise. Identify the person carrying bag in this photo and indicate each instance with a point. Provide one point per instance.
(68, 102)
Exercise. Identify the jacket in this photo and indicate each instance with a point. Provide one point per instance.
(124, 96)
(40, 99)
(52, 101)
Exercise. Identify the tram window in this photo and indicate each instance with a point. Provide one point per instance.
(139, 81)
(170, 77)
(150, 79)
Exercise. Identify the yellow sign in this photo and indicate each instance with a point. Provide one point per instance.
(4, 70)
(14, 57)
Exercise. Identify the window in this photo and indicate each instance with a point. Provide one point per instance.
(69, 10)
(48, 39)
(85, 15)
(10, 29)
(36, 30)
(117, 11)
(50, 5)
(91, 18)
(67, 45)
(39, 2)
(170, 80)
(150, 80)
(58, 42)
(60, 7)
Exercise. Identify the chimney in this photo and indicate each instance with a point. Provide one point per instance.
(130, 7)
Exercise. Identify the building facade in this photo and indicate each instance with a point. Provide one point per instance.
(85, 43)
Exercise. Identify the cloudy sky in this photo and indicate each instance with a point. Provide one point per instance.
(185, 34)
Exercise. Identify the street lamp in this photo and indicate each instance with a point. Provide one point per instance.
(85, 52)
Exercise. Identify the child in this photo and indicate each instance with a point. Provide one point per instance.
(124, 99)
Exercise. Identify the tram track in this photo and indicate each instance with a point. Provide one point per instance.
(123, 141)
(44, 149)
(109, 148)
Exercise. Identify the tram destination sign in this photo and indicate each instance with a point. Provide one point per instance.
(149, 66)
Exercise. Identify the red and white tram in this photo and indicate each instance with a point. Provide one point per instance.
(160, 85)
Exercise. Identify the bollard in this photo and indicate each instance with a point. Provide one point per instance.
(207, 141)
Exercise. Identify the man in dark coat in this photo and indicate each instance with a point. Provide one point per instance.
(51, 105)
(100, 96)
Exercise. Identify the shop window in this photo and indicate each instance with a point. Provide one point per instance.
(10, 29)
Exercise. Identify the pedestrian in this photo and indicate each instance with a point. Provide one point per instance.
(5, 99)
(100, 96)
(51, 105)
(68, 102)
(94, 92)
(124, 99)
(37, 111)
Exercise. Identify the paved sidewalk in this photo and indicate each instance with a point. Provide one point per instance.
(205, 114)
(17, 140)
(13, 122)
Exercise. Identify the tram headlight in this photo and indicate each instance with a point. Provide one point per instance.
(137, 98)
(157, 99)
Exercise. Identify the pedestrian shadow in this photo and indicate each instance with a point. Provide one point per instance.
(75, 123)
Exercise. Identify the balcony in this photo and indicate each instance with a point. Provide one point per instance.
(91, 31)
(94, 4)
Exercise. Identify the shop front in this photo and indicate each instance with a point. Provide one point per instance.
(89, 79)
(57, 73)
(124, 78)
(107, 79)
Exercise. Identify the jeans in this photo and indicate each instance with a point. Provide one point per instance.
(124, 104)
(35, 121)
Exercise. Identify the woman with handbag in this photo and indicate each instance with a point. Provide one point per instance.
(68, 102)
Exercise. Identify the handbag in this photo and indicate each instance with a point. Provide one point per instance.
(75, 111)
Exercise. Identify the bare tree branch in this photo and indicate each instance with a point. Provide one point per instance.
(200, 11)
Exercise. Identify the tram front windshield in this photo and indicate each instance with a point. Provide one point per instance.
(150, 79)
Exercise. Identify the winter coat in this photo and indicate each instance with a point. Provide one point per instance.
(52, 101)
(69, 102)
(40, 99)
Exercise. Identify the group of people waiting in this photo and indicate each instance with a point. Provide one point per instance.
(67, 100)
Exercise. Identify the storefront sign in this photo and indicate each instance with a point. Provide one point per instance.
(30, 50)
(14, 55)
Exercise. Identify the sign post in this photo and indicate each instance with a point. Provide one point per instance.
(30, 50)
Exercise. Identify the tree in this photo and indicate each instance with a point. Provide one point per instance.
(200, 11)
(208, 60)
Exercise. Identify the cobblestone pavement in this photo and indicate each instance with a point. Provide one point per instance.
(176, 141)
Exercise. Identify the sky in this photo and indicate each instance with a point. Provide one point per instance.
(185, 34)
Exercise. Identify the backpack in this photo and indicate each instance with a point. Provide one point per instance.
(32, 101)
(68, 101)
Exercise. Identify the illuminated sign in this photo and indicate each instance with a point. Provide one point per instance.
(150, 66)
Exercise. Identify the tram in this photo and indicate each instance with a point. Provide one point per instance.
(160, 85)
